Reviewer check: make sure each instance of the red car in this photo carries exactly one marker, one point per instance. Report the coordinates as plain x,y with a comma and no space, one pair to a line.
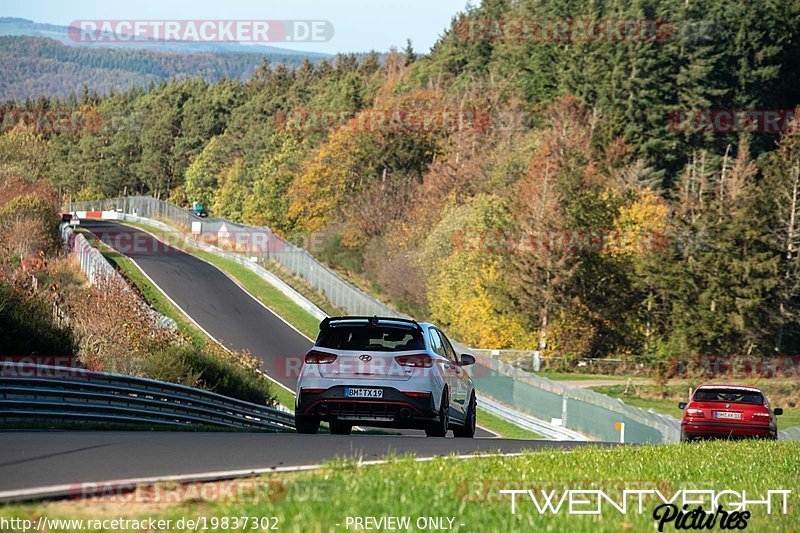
728,411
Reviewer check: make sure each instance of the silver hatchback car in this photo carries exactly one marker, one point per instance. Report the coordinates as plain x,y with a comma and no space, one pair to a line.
385,372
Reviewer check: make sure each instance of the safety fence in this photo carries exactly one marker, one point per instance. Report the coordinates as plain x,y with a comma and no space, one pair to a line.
40,392
580,410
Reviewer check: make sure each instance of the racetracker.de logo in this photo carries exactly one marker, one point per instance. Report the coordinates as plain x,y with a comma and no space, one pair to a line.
241,31
408,121
563,30
733,120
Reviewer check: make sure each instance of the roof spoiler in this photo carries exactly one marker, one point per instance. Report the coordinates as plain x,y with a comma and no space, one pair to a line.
371,320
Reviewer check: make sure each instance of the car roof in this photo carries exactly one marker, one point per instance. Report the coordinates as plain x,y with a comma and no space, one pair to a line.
728,386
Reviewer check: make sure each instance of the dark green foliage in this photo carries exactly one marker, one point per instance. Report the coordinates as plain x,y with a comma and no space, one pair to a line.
27,326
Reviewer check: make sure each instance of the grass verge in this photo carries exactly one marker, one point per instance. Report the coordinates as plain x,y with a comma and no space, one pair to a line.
507,430
467,491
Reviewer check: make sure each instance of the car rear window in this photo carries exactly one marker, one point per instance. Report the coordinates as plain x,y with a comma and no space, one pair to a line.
378,338
729,395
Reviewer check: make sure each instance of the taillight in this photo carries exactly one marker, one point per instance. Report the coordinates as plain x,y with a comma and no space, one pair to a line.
418,394
417,360
760,416
319,358
311,391
695,412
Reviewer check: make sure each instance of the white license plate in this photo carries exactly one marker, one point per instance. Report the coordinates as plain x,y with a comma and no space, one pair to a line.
363,393
727,414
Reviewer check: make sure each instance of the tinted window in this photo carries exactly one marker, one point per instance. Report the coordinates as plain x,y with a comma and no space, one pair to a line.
436,342
450,353
729,395
371,338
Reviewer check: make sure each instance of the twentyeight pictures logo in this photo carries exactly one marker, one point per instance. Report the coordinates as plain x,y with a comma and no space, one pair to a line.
241,31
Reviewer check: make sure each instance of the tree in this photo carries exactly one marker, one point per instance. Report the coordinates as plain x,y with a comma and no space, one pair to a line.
230,197
202,175
409,53
781,201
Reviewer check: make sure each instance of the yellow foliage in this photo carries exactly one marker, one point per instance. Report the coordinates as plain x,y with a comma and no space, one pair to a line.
474,315
640,227
325,179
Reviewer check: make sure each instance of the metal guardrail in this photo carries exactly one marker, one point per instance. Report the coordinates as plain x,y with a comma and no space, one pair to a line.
189,243
578,409
29,391
789,434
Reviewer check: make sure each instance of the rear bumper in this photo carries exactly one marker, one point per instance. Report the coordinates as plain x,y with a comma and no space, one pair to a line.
394,410
695,429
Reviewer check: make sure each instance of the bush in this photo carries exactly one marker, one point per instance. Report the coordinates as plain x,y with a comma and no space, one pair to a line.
28,327
227,374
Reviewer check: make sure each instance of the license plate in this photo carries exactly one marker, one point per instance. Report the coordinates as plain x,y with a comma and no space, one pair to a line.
363,393
727,414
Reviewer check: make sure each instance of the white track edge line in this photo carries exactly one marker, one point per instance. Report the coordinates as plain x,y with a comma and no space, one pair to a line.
64,489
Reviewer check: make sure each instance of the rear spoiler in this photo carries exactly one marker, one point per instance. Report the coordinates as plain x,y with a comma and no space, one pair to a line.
371,320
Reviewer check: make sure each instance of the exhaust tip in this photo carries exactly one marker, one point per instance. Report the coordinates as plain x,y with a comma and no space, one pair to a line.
322,410
405,412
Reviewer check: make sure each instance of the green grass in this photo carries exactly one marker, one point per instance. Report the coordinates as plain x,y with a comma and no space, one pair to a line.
468,490
266,293
577,376
505,429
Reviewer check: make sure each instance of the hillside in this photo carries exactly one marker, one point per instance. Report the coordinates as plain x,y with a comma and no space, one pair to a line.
40,66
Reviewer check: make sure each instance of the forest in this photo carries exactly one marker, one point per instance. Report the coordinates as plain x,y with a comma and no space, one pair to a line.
523,190
38,66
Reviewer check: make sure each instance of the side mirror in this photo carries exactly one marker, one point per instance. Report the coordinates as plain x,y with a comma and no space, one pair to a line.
467,359
681,405
777,411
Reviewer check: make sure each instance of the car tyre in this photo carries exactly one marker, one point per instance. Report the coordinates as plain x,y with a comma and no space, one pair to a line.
340,428
308,425
439,428
684,437
468,429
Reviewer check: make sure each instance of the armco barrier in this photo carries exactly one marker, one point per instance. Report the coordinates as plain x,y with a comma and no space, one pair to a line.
577,409
38,392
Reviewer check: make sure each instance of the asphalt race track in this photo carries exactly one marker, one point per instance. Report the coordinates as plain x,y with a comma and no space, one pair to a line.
45,458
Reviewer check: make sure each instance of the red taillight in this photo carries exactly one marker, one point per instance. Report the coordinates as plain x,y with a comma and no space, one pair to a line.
311,391
697,413
319,358
417,360
418,394
760,416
